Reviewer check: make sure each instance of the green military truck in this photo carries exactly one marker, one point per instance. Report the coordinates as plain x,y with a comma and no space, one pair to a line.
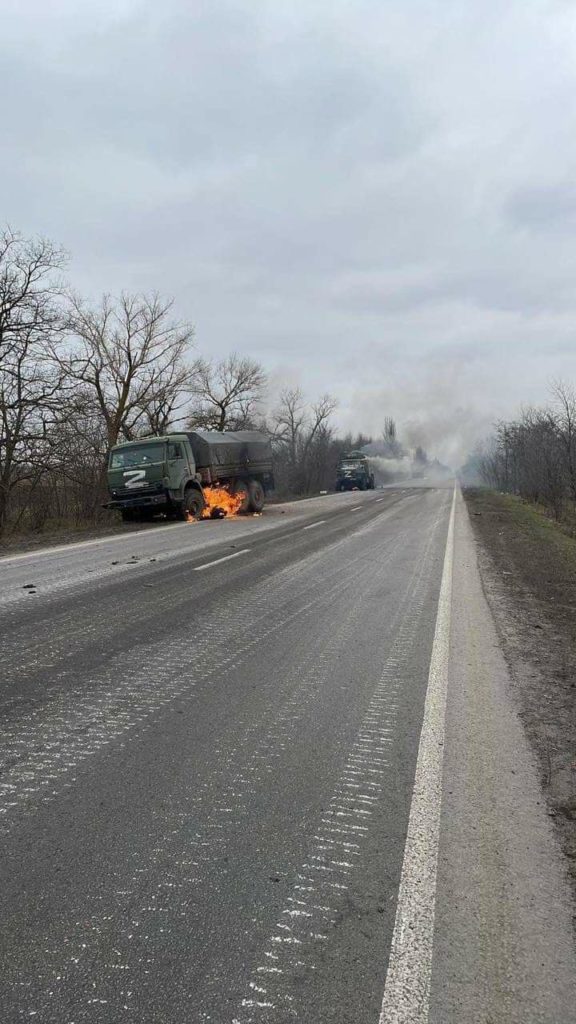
170,474
354,472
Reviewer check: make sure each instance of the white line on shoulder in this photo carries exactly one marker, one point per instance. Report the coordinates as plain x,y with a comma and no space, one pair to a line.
126,535
407,988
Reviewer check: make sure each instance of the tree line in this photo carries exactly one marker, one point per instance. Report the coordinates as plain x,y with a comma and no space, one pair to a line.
78,377
534,455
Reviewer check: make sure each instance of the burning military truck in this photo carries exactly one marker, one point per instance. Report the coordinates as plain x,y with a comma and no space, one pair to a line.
190,475
354,472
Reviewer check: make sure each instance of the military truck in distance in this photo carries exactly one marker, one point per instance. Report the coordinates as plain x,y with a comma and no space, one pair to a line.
170,473
354,472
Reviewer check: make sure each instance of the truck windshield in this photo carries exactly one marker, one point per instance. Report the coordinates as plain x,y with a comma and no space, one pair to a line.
137,455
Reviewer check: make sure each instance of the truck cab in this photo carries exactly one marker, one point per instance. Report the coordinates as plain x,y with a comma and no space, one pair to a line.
150,475
354,473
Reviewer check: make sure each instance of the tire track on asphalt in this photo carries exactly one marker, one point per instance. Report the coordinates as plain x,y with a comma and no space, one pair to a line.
321,886
247,767
47,744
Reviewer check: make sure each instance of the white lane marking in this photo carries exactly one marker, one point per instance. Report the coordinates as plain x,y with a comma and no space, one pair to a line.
356,508
407,987
218,561
313,525
379,500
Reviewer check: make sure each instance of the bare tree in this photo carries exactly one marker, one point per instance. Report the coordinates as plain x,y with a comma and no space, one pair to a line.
317,441
321,412
302,437
391,446
527,457
389,432
79,437
134,359
288,423
31,322
565,398
227,393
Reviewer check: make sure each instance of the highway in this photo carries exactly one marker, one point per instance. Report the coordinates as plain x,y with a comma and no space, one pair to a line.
268,769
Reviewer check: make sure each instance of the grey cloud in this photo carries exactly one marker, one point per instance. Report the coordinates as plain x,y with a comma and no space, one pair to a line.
544,207
371,198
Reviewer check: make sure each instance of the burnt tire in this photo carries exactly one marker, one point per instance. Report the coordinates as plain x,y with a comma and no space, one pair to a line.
128,515
257,496
242,489
192,505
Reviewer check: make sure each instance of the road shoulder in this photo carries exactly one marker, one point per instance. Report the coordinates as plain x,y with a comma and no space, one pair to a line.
503,946
528,570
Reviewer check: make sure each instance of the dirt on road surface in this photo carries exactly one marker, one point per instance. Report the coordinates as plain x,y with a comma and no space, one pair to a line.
528,567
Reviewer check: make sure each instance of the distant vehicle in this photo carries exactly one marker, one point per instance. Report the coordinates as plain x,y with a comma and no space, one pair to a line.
354,472
173,473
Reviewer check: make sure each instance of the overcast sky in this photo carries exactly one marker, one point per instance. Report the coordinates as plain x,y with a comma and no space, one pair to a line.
375,198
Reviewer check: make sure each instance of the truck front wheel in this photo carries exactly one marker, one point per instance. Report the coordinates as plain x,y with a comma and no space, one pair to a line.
193,504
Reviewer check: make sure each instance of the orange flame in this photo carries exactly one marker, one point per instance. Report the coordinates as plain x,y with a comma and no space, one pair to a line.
220,502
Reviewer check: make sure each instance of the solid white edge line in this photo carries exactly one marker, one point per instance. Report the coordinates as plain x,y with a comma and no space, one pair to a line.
217,561
94,542
407,987
313,525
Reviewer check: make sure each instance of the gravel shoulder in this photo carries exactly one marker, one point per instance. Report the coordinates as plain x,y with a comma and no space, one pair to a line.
528,569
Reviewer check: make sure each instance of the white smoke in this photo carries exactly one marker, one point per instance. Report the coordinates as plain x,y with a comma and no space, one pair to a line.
385,470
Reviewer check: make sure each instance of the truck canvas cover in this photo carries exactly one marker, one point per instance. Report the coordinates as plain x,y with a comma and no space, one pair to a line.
245,450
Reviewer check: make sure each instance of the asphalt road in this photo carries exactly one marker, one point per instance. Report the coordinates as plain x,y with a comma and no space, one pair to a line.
212,802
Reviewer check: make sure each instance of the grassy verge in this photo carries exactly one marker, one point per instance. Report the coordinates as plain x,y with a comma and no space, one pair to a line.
530,521
528,564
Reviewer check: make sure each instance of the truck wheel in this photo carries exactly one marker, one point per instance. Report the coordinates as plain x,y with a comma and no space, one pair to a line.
127,515
257,497
242,489
193,503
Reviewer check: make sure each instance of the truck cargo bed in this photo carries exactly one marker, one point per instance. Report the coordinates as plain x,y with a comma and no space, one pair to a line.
244,451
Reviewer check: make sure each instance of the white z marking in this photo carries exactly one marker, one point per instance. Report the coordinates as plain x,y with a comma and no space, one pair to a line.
138,476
